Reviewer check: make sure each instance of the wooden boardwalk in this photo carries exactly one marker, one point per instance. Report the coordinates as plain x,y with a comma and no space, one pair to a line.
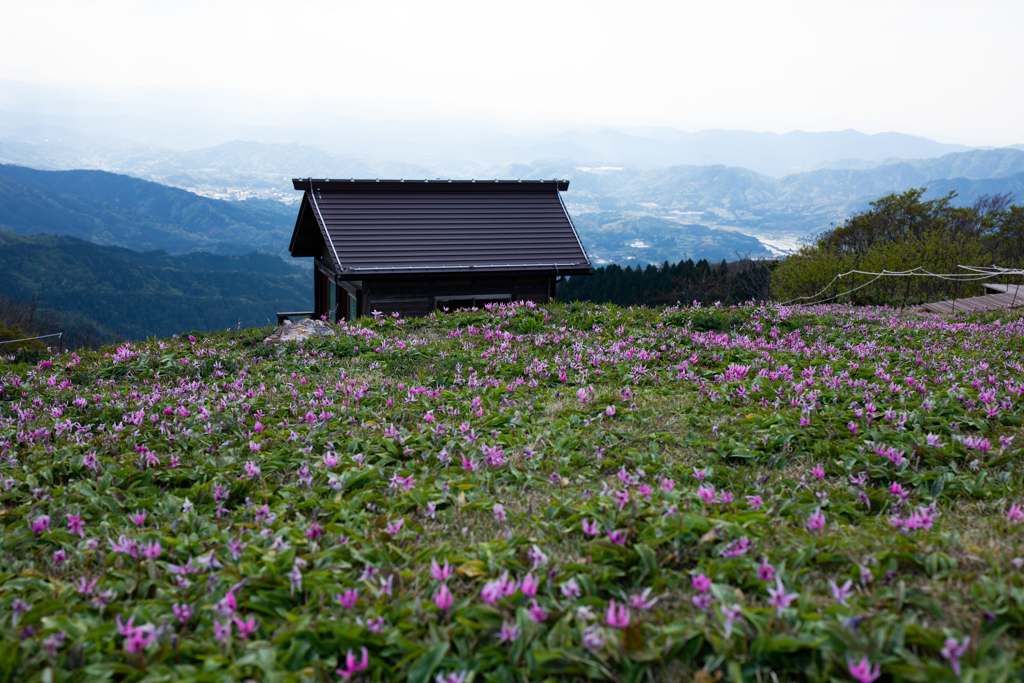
1007,296
999,288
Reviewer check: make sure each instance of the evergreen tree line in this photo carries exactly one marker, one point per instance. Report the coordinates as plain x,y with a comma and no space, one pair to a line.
684,282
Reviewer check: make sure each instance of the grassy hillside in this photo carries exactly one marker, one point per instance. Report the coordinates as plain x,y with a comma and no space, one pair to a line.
135,294
111,209
524,494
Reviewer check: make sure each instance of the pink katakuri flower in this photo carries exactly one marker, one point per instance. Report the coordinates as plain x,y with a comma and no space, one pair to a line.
732,614
453,677
780,599
76,525
953,651
862,671
499,513
440,573
841,593
706,493
617,616
1015,512
139,639
509,633
41,524
352,667
491,592
348,599
246,627
85,586
816,522
537,613
642,601
443,598
618,536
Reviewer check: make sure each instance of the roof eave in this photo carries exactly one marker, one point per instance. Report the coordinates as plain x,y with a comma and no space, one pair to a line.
390,272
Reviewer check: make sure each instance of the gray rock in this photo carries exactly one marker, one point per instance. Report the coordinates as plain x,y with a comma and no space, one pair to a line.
301,331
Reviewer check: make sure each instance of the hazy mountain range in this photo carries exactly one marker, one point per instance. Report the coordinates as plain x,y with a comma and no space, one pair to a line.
157,259
267,166
638,194
145,185
624,214
786,207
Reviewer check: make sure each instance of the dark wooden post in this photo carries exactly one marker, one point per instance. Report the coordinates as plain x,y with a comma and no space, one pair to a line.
317,292
340,302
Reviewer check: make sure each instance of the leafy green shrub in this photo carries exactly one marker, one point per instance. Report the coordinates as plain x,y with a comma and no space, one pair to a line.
527,323
713,321
899,233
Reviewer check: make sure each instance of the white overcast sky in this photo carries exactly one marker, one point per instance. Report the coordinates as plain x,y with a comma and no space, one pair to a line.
948,70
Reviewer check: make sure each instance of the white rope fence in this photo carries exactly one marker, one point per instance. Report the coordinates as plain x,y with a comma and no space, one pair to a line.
974,274
42,336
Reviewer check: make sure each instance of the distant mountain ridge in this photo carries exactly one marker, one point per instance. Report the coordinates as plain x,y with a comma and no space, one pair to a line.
232,170
974,164
344,147
699,186
797,203
768,153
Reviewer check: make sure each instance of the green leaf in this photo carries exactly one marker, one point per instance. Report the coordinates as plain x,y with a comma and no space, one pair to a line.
424,667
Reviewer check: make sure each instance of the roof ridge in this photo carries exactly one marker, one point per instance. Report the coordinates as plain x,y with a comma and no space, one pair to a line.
561,184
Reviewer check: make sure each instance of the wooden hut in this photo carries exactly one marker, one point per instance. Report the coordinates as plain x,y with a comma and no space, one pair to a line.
415,246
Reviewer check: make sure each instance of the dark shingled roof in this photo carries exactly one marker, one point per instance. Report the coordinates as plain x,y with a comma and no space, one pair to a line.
389,227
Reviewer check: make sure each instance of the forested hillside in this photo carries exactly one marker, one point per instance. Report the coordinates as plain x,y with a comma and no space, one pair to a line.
111,209
624,237
135,294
